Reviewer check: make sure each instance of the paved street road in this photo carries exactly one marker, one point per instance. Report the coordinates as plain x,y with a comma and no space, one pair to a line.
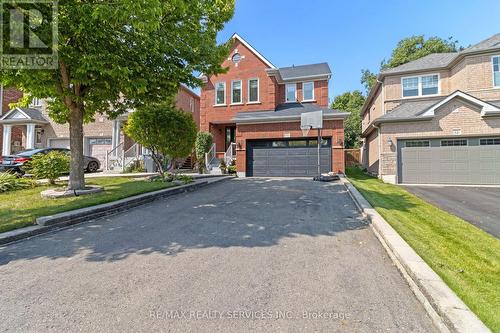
242,255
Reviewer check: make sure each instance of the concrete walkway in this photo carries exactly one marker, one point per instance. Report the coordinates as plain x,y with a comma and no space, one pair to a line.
243,255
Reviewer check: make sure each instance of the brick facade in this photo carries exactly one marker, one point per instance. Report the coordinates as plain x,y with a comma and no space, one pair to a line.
216,118
471,74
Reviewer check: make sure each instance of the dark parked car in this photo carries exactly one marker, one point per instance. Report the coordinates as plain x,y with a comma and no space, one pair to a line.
15,162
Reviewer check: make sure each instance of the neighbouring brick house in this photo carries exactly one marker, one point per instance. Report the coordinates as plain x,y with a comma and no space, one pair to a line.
437,119
25,128
254,110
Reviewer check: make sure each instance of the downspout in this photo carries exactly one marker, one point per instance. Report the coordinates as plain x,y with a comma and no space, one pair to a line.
1,99
379,143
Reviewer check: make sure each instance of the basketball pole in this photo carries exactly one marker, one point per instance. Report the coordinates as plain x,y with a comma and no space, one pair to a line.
319,147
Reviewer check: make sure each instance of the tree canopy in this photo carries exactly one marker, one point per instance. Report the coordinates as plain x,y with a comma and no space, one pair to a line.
409,49
351,102
118,55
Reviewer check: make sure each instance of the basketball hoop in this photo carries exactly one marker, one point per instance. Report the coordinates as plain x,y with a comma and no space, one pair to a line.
305,129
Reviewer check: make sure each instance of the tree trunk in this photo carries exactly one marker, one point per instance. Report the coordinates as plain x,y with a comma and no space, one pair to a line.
76,175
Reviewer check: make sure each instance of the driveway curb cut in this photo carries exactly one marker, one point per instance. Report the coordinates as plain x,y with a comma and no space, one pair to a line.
69,218
447,311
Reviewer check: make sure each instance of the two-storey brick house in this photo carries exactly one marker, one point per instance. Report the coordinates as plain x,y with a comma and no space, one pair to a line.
27,128
437,119
255,109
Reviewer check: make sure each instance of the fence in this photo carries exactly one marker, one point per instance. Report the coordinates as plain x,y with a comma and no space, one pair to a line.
352,157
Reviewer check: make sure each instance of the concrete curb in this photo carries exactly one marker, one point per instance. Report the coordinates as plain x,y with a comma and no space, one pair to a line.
65,219
447,311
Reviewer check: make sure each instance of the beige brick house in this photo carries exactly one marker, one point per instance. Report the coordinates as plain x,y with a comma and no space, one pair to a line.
27,128
437,119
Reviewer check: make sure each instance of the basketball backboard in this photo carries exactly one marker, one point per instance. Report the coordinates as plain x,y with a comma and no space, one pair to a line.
311,119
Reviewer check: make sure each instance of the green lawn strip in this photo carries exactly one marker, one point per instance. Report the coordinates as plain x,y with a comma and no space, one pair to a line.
465,257
20,208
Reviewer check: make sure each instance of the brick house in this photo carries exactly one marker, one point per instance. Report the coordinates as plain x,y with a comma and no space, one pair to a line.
254,109
26,128
437,119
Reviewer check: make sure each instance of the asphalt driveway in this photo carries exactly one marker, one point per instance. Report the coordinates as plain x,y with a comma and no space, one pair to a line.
243,255
479,206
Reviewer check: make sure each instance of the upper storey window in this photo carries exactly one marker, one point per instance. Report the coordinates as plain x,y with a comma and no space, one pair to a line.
291,92
496,71
236,92
253,90
220,93
425,85
36,102
308,91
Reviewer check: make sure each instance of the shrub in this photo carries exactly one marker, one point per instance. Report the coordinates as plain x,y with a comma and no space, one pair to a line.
223,166
231,169
49,166
184,178
134,167
202,145
10,182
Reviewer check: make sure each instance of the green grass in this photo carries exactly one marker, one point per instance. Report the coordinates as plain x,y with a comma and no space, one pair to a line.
20,208
465,257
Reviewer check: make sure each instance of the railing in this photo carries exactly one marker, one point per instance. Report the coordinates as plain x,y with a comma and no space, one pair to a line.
230,154
210,156
130,155
114,157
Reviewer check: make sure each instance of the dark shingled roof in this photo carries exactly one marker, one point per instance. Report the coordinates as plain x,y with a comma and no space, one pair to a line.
34,114
490,43
288,73
435,60
287,111
408,111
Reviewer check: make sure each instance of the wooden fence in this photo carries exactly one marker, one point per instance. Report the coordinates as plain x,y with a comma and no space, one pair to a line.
352,157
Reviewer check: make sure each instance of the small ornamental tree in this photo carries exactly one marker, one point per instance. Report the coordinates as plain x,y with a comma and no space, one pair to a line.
203,144
113,56
166,131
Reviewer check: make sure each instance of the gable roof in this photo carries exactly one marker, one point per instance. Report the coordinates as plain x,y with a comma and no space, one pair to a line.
254,51
490,43
27,115
425,110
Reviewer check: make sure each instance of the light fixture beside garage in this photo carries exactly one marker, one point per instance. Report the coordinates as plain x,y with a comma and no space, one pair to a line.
389,142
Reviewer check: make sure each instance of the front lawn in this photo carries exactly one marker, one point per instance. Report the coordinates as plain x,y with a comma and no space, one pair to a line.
465,257
20,208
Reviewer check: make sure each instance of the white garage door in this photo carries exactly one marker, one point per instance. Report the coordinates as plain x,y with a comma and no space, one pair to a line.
99,147
59,143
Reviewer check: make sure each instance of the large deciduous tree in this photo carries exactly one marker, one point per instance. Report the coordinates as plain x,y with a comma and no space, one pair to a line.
117,55
409,49
351,102
165,130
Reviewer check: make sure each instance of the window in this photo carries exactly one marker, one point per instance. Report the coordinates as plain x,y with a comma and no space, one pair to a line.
451,143
236,58
36,102
191,104
253,90
420,85
496,71
308,91
236,92
38,136
489,142
291,92
100,141
220,93
417,144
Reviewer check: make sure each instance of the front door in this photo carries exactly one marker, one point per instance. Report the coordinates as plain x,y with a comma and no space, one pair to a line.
230,136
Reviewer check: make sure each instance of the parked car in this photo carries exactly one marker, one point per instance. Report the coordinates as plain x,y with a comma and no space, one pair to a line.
14,163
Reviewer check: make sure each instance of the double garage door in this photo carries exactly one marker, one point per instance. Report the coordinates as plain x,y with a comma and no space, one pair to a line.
287,158
459,161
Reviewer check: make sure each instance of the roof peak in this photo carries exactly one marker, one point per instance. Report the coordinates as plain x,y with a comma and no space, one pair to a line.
253,50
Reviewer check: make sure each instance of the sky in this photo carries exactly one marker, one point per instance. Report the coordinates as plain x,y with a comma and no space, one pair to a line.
352,35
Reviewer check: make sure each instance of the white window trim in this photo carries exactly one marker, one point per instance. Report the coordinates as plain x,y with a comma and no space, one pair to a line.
241,92
420,85
215,102
286,92
308,100
258,91
35,105
493,71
